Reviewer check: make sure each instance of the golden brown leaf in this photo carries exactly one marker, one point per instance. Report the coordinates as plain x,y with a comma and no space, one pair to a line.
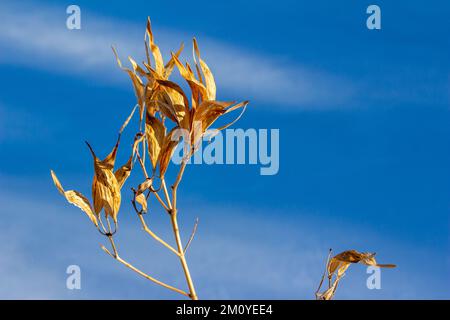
75,198
155,133
166,152
138,85
144,186
175,87
142,200
159,63
209,78
124,172
171,64
198,90
105,188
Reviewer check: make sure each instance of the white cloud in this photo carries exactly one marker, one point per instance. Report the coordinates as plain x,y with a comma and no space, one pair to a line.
36,36
237,253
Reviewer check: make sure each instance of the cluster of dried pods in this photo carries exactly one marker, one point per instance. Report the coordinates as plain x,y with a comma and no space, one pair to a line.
166,116
337,265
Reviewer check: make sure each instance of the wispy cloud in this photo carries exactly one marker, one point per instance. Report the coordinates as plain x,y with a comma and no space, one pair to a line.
37,37
236,254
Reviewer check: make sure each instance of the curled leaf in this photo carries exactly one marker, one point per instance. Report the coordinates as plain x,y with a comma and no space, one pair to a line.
142,200
338,265
138,85
209,78
105,187
155,133
159,64
124,172
167,151
76,198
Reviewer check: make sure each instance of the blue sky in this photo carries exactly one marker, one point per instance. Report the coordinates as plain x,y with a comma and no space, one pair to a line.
364,147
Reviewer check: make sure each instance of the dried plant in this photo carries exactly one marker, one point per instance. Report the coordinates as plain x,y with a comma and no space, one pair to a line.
337,265
164,111
166,115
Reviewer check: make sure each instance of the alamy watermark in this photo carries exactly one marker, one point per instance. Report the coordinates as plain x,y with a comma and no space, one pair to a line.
231,146
374,280
73,21
73,281
374,20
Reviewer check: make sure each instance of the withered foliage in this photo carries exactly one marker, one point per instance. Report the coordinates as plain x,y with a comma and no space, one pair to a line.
337,265
165,110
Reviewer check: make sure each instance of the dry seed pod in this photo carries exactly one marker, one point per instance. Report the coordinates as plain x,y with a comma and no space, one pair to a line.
337,265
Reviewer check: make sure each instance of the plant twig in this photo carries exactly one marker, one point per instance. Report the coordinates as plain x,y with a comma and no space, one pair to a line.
176,231
324,273
166,193
130,266
161,201
194,230
152,234
177,182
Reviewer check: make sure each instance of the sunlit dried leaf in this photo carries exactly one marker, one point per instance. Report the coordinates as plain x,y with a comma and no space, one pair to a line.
124,172
171,64
338,265
198,90
137,68
176,88
209,78
127,121
142,200
144,186
155,133
159,63
75,198
105,188
138,85
167,151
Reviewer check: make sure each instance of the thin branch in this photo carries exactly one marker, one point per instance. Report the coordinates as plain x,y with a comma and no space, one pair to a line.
130,266
113,246
104,232
161,201
142,164
166,193
191,237
151,233
147,177
177,182
324,272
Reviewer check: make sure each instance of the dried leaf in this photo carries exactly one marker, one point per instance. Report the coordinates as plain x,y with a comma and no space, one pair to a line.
105,187
138,85
124,172
127,121
106,192
144,186
198,90
155,133
75,198
176,88
166,152
159,63
171,64
209,78
136,67
338,265
142,200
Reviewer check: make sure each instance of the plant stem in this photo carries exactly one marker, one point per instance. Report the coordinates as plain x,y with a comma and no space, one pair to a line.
173,217
176,231
115,256
151,233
